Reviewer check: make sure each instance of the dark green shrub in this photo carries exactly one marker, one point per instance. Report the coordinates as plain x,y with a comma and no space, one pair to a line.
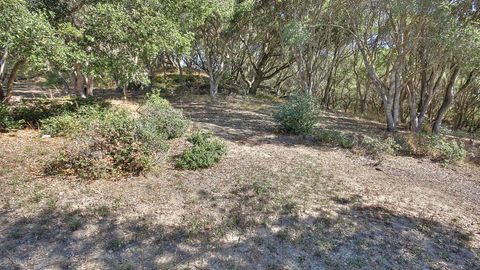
329,136
299,115
206,151
33,113
335,137
6,120
168,120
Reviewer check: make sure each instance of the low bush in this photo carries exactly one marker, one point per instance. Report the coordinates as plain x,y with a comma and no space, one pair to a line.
110,146
32,113
6,120
344,140
206,151
168,120
377,147
435,147
299,115
72,123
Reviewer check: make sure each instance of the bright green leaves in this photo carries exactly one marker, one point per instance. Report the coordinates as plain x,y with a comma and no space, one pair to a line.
27,35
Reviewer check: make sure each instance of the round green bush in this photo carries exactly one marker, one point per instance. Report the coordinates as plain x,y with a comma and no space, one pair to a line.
168,120
299,115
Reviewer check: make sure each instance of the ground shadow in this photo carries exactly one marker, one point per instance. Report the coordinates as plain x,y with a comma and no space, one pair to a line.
357,237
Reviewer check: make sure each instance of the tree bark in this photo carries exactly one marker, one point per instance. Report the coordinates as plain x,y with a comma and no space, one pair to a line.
214,82
447,101
66,87
11,80
89,81
79,82
3,64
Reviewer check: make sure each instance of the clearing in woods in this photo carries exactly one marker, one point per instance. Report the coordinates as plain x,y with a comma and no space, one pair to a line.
275,202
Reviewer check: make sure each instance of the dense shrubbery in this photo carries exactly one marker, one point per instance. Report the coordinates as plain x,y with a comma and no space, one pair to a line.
6,120
160,112
111,145
378,147
72,123
112,142
298,116
33,113
435,147
206,151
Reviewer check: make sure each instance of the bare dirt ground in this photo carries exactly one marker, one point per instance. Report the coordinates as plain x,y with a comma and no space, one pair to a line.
275,202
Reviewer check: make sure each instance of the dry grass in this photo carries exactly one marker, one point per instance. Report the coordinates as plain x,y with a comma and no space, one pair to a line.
275,202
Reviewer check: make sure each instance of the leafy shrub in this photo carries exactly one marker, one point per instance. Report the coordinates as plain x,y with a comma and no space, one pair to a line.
33,113
72,123
206,151
111,145
328,136
347,141
378,148
6,120
298,115
449,151
168,120
433,146
61,125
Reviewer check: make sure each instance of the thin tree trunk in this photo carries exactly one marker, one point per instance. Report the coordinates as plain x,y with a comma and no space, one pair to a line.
447,101
79,82
11,80
124,92
214,82
66,87
90,85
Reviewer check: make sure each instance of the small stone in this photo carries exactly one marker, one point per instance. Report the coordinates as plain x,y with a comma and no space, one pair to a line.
46,136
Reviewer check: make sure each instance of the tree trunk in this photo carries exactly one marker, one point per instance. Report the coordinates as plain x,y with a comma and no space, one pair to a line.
66,87
179,64
214,82
90,85
11,80
253,89
124,92
3,64
79,82
447,101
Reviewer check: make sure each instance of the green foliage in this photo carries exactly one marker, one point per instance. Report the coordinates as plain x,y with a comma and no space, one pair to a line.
159,112
6,120
299,115
328,136
34,113
112,144
436,147
72,123
335,137
378,147
206,151
27,34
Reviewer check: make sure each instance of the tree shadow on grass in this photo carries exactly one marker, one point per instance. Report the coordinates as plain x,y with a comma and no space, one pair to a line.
356,237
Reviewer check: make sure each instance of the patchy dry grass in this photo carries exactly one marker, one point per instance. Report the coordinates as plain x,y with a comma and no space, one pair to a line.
274,202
